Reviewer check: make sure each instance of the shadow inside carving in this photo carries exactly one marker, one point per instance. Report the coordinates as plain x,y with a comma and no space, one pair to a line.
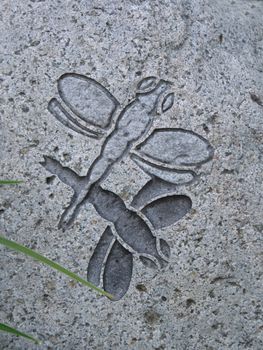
151,190
118,271
167,210
95,266
129,226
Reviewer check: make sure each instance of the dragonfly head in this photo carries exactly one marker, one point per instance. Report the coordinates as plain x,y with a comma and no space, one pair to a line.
150,92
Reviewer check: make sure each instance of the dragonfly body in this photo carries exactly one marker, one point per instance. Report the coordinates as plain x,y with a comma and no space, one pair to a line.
126,222
133,122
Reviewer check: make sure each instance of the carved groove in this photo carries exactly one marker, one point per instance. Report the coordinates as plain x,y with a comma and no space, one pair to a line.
152,189
88,99
146,85
172,176
66,119
165,248
168,102
176,147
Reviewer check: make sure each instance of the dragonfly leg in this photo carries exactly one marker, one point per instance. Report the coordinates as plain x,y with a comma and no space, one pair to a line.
69,214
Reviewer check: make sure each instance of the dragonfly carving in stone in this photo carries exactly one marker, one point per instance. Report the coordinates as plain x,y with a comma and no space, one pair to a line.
166,155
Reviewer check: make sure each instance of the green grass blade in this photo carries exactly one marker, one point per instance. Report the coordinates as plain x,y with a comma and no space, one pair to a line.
27,251
10,182
8,329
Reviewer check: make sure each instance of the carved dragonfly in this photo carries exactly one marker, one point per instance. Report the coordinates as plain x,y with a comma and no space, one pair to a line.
166,155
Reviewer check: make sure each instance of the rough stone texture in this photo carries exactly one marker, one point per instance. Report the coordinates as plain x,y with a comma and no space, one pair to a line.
210,295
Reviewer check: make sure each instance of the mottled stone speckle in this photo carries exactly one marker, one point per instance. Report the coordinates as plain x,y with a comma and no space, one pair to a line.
210,296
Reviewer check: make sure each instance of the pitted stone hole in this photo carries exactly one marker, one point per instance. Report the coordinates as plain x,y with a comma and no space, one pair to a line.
152,317
50,179
256,99
141,287
190,302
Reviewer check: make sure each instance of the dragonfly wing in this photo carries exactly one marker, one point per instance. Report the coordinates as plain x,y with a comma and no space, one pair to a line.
154,188
66,119
175,147
96,266
118,271
87,99
167,210
173,176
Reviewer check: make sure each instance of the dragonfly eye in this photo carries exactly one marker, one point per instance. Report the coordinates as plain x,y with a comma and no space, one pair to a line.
168,102
147,84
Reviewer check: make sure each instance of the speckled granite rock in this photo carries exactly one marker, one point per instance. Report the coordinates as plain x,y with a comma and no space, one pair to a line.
209,294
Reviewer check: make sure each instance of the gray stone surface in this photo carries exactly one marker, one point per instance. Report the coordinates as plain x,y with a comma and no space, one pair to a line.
209,295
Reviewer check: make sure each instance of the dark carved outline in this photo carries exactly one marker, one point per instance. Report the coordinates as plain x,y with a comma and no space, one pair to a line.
99,86
159,130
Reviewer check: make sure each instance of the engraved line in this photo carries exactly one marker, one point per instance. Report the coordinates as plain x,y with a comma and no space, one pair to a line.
161,130
96,263
66,119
